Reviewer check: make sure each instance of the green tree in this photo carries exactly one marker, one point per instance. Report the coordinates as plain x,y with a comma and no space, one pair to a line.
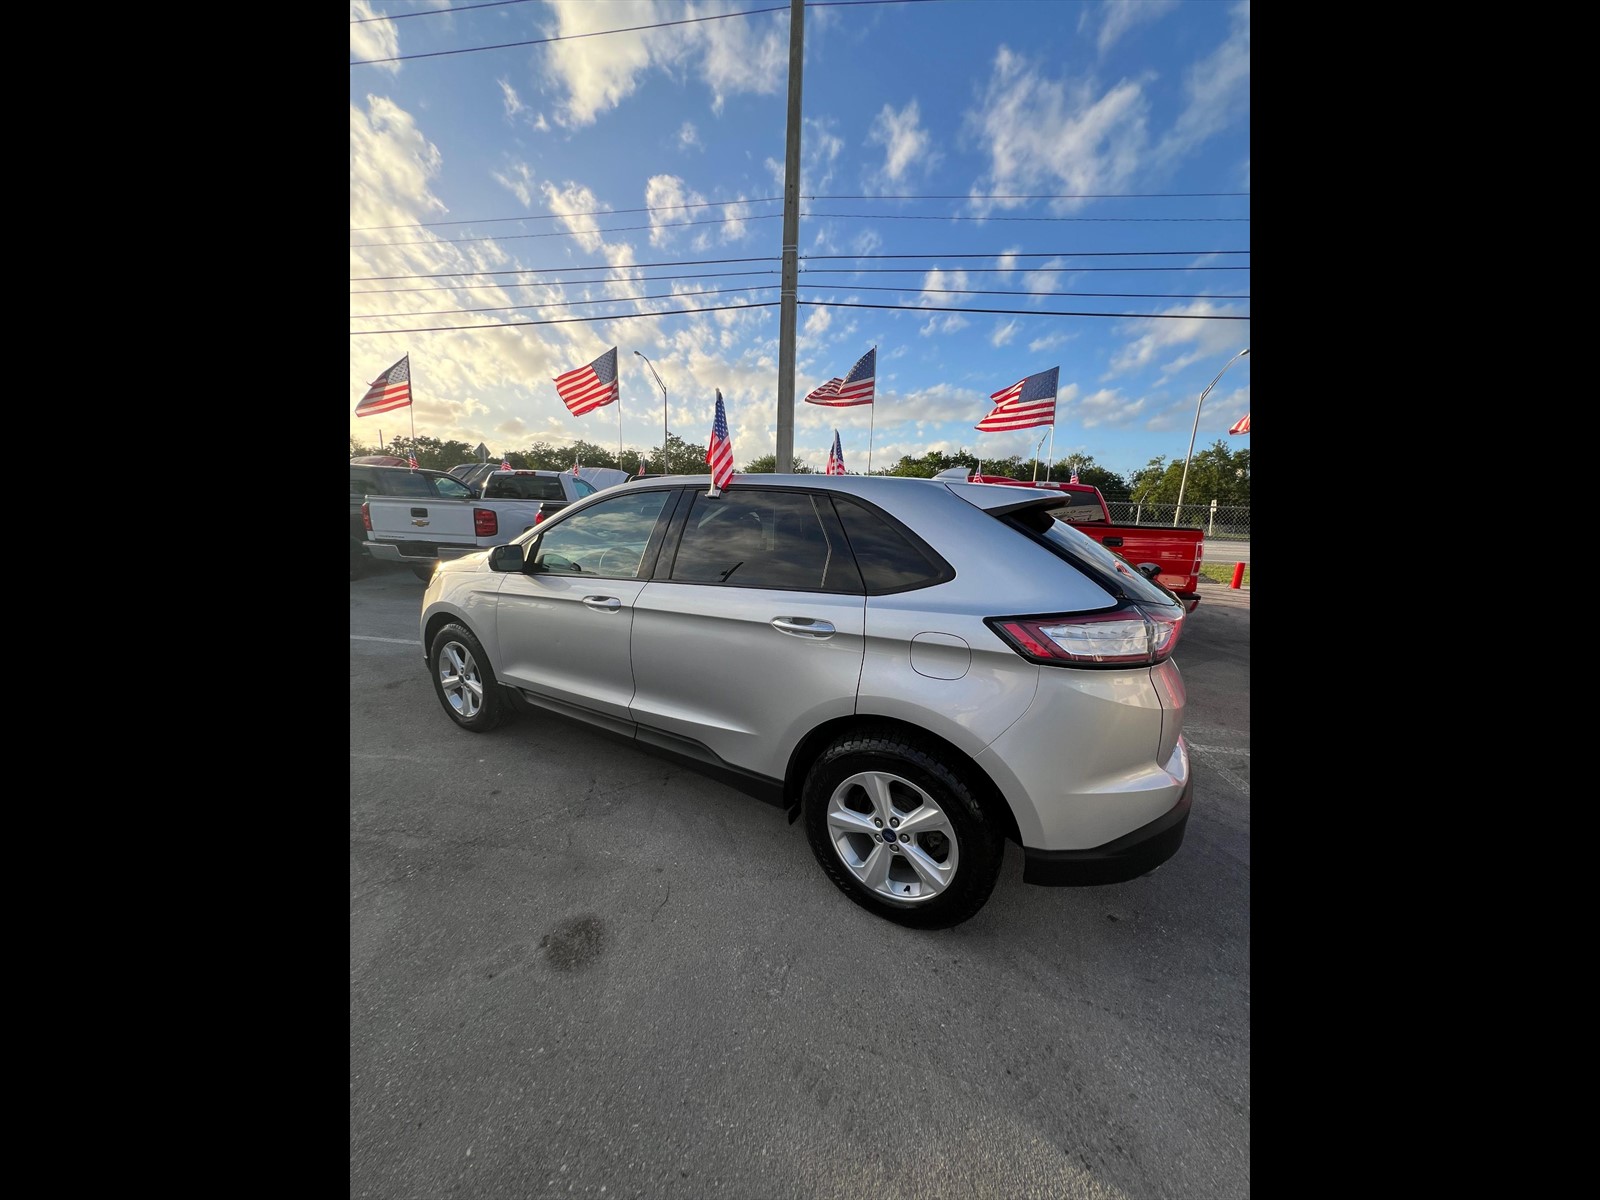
767,464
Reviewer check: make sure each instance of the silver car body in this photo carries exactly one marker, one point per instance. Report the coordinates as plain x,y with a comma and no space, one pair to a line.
743,676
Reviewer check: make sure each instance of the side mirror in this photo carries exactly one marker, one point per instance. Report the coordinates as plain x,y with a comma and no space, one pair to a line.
1149,570
505,558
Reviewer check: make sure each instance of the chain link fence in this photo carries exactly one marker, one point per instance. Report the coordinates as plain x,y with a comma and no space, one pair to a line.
1220,521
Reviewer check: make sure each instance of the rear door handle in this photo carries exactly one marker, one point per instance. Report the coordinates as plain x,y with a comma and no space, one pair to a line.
603,603
803,627
1113,541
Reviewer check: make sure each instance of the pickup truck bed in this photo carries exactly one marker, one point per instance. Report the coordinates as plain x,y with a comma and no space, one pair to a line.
419,531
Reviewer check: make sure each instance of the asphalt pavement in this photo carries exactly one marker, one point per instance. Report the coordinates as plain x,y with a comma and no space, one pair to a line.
577,968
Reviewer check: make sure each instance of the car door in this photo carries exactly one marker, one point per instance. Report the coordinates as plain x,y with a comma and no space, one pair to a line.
564,625
750,632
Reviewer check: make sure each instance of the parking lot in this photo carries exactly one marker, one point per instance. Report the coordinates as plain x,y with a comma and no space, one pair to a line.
581,969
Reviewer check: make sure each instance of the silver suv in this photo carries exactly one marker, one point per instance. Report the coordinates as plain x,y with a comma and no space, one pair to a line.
923,669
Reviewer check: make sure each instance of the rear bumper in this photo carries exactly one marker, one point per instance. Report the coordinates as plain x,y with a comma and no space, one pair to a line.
1128,857
415,552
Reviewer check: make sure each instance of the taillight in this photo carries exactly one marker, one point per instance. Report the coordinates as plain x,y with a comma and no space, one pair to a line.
366,517
484,522
1132,636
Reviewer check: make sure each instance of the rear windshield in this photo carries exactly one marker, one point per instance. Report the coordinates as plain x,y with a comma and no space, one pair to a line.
1076,507
523,487
1070,544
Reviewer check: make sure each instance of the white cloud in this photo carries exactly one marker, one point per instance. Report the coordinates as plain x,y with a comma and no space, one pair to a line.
904,140
597,73
1218,90
1043,133
665,195
689,136
1048,342
1117,17
1004,334
949,324
373,39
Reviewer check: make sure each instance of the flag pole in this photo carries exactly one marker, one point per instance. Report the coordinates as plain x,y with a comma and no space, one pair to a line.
412,407
1052,459
872,418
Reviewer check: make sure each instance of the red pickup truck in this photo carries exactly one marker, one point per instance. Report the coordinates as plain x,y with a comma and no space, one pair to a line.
1177,551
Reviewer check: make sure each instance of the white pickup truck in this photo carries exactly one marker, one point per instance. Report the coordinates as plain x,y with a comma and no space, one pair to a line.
419,531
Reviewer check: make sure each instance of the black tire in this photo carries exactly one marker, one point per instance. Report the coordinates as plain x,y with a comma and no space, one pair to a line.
955,836
423,573
464,681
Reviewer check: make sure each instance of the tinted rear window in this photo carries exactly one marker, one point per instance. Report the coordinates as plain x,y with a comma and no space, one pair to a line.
523,487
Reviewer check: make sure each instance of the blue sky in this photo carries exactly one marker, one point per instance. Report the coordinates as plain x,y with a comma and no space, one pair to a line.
482,174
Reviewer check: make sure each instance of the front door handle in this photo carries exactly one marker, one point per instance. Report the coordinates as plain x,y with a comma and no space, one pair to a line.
1113,541
803,627
603,603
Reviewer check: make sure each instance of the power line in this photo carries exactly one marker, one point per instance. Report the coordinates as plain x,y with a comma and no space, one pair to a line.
606,212
996,270
570,37
446,312
965,217
567,37
437,12
1030,254
1025,312
598,212
705,262
441,312
675,312
513,237
697,262
475,287
860,287
1062,196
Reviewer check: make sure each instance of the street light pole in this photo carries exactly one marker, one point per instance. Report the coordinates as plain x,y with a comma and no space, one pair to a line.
663,388
1178,513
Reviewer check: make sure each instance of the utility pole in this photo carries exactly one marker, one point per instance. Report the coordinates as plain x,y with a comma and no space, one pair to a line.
787,295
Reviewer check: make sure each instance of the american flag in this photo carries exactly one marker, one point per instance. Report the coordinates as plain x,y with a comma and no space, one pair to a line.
575,464
389,391
584,389
836,457
1029,401
720,452
1074,478
854,388
411,458
1242,425
505,464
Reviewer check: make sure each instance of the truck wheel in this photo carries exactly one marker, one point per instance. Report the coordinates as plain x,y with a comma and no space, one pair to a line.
899,830
423,573
464,681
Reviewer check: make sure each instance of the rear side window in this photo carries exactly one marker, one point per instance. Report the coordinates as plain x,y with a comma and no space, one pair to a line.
362,483
891,557
765,538
407,483
452,489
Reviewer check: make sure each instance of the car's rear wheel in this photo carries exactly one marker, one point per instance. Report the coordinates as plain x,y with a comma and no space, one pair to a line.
464,681
423,573
898,828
